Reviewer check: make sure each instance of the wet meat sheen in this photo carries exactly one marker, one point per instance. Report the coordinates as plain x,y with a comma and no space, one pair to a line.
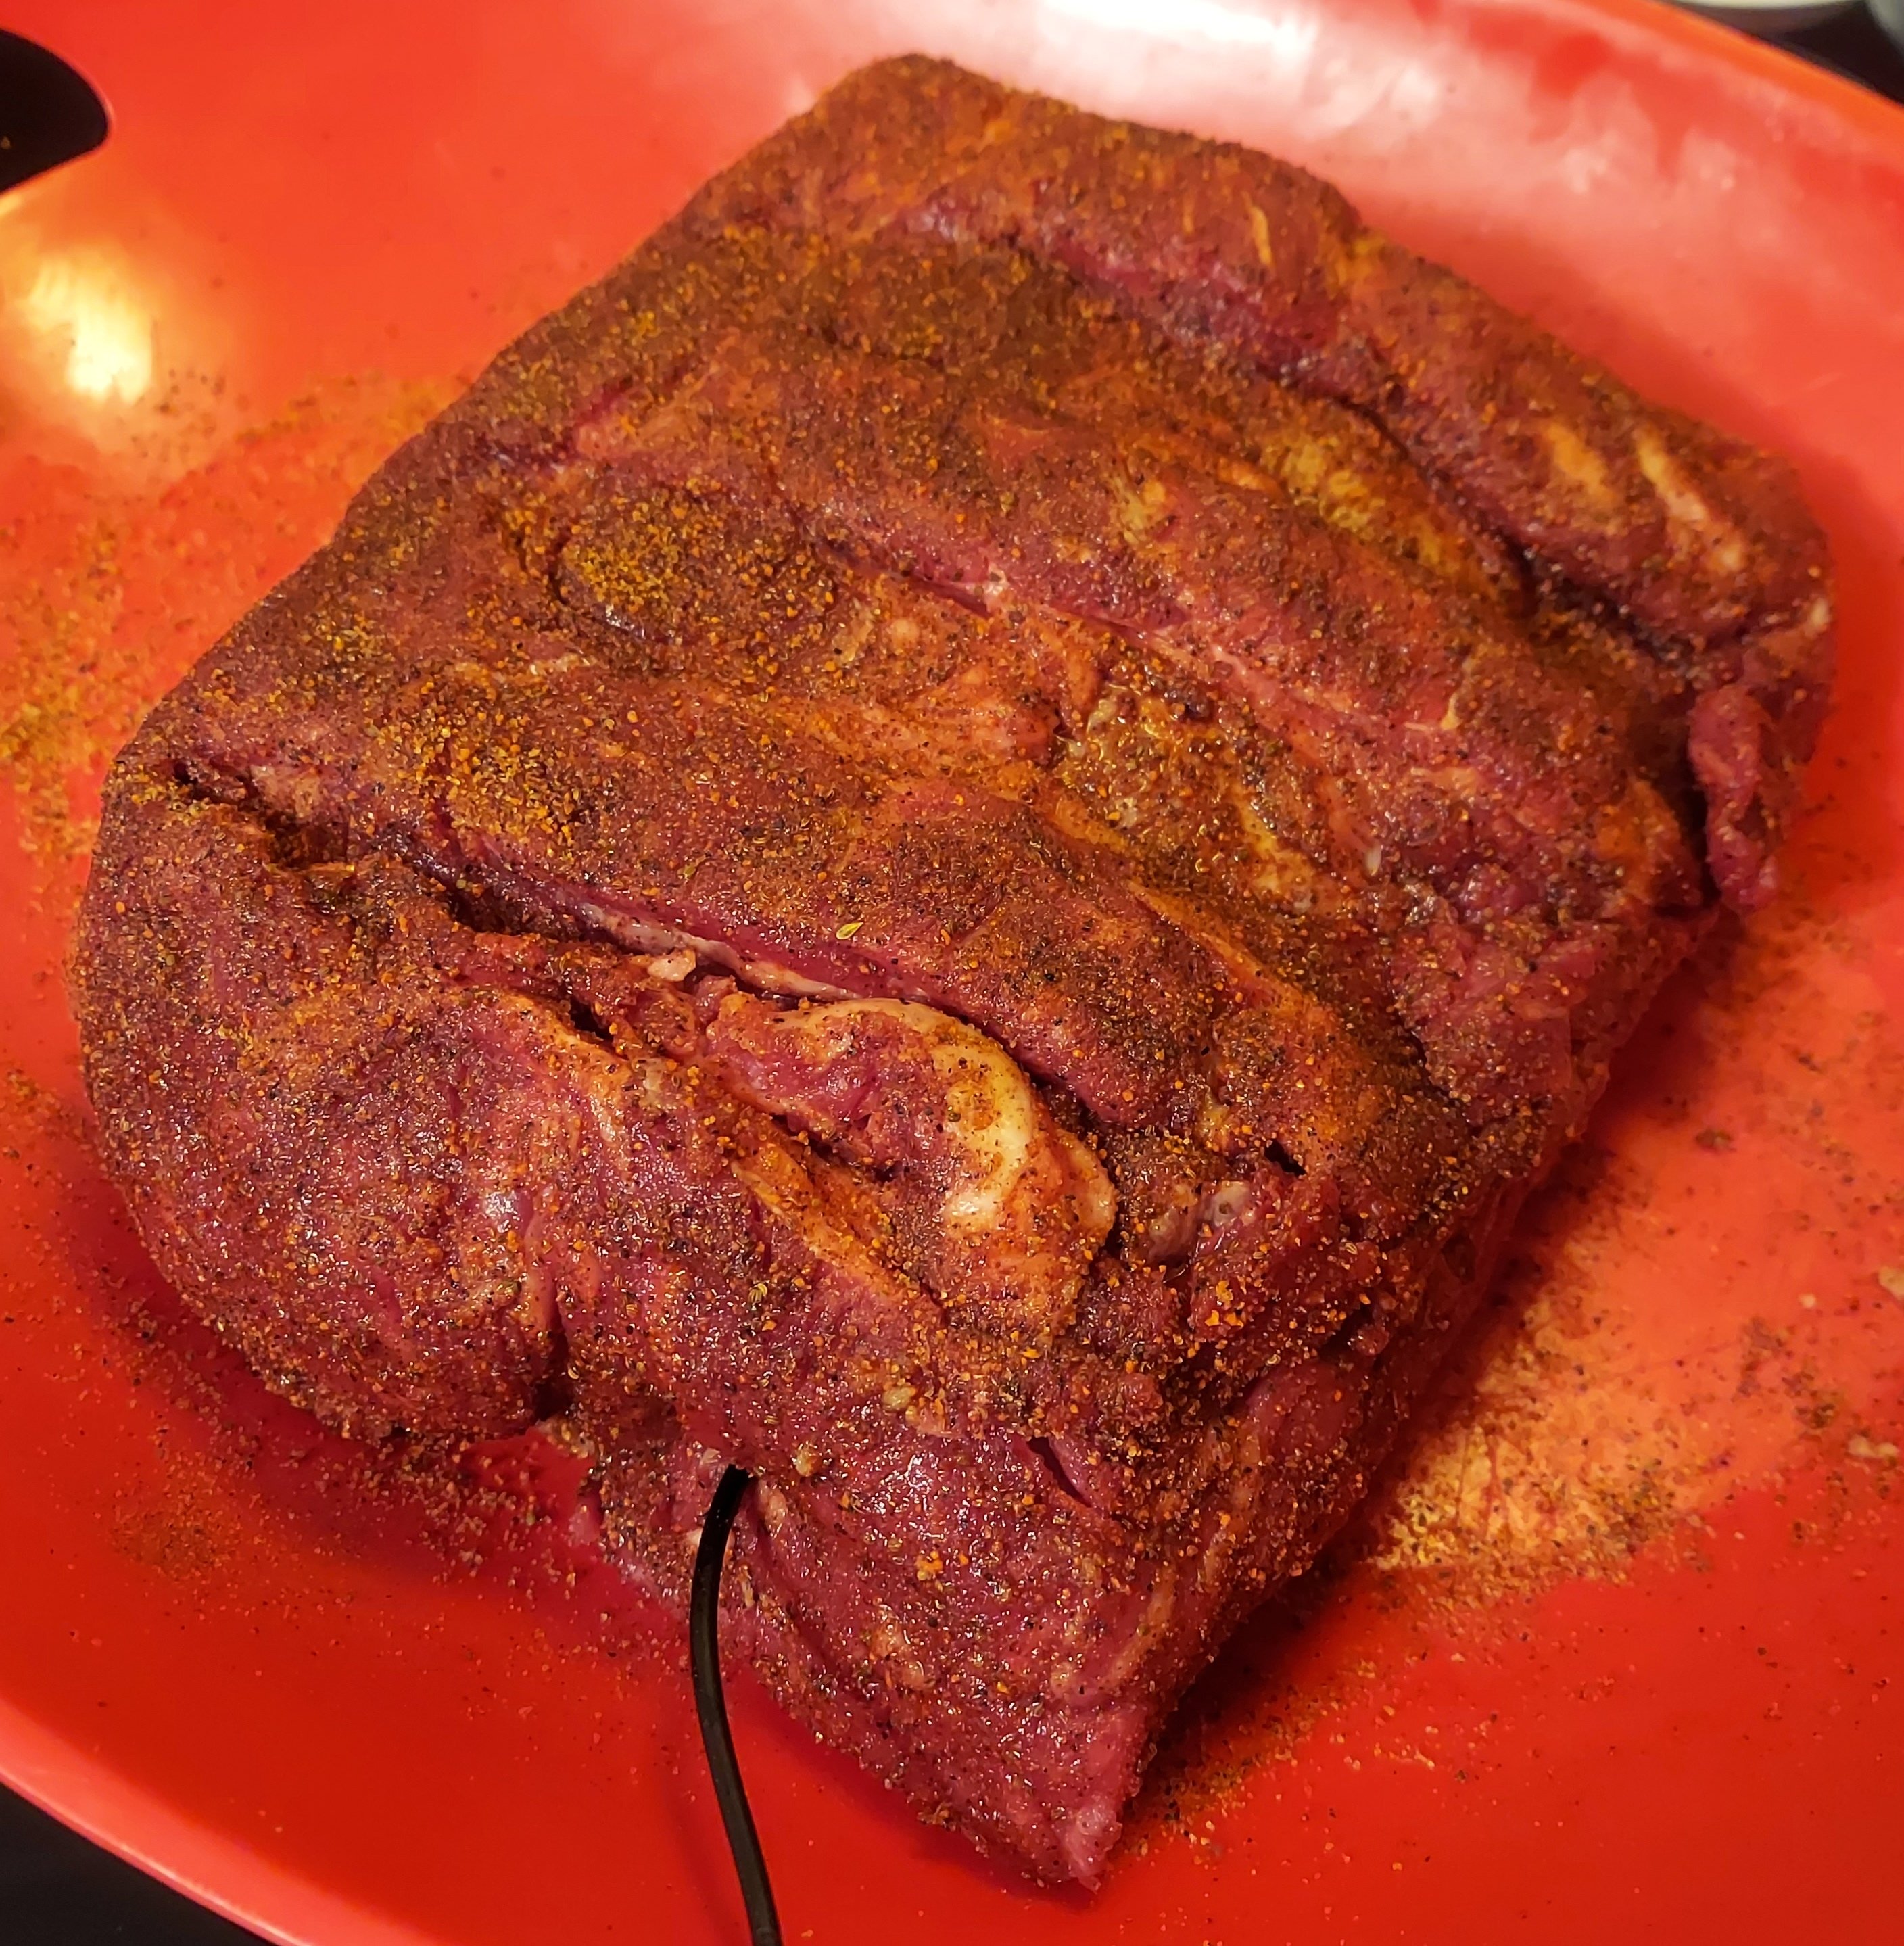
962,838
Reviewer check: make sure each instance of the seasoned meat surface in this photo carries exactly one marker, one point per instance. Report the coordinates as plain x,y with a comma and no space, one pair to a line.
963,839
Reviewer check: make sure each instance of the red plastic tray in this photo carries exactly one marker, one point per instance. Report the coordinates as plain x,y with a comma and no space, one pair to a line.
1616,1653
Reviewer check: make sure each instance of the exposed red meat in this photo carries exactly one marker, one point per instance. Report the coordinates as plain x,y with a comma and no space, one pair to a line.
963,839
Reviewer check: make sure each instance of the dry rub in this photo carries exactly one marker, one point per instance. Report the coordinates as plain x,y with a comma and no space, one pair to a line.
962,838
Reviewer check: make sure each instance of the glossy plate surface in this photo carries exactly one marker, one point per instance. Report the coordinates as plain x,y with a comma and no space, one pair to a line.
1617,1652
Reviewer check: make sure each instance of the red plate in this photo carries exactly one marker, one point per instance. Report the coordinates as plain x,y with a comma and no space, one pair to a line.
1616,1654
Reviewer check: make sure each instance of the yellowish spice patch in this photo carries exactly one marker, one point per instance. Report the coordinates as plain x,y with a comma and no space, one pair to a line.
109,593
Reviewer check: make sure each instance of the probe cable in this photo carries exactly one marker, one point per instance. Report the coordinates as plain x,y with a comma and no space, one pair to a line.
704,1648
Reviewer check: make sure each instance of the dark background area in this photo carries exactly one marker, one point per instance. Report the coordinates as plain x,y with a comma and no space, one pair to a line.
56,1889
1853,45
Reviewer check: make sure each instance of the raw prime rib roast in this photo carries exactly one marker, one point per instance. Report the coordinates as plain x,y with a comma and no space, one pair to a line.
962,839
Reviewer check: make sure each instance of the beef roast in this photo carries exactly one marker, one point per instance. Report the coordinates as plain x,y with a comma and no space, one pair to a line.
962,838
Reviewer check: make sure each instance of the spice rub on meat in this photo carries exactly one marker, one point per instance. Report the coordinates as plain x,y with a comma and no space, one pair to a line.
962,838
